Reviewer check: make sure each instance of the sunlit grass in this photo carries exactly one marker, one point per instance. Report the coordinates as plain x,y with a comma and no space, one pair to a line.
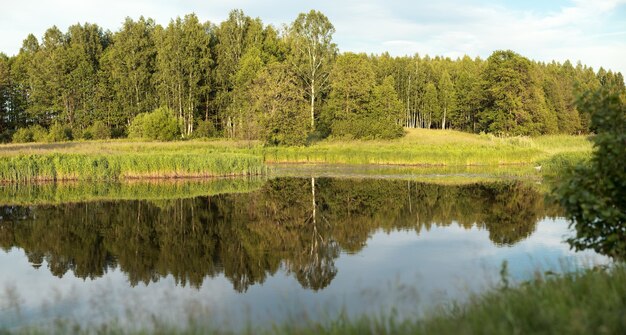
97,166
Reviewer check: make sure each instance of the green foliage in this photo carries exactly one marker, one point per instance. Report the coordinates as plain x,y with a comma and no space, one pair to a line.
59,133
312,54
594,194
359,109
158,125
275,96
206,71
22,135
183,62
514,103
34,133
204,129
97,131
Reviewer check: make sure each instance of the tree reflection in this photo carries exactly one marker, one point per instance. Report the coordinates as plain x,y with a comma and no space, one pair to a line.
295,225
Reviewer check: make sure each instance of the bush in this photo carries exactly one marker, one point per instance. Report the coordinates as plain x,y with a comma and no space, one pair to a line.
97,131
35,133
204,128
158,125
59,133
23,135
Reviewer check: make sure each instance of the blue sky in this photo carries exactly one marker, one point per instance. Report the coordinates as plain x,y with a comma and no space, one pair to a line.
592,31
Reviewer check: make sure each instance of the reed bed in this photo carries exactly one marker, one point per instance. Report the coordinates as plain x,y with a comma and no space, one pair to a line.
67,166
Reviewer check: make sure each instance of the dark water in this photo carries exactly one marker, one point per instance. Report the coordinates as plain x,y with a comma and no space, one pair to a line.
290,248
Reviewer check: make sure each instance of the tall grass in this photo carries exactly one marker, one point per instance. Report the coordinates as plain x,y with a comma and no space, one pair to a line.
62,166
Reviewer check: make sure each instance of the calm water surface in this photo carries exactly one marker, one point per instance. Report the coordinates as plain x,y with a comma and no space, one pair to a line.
264,252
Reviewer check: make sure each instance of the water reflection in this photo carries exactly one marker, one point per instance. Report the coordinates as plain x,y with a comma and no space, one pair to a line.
294,225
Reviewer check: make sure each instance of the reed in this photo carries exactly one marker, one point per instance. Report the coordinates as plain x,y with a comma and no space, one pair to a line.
67,166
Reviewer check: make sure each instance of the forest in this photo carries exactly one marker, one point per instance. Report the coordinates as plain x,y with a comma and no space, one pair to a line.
243,79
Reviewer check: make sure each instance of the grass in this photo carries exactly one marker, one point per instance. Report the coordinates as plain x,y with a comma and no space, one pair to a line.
591,301
123,159
71,166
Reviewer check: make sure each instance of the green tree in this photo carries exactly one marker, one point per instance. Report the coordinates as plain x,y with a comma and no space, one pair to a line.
183,53
469,94
234,37
430,105
514,103
129,66
385,111
243,122
312,54
594,194
447,97
277,100
350,95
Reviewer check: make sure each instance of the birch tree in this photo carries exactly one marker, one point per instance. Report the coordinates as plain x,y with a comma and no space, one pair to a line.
312,54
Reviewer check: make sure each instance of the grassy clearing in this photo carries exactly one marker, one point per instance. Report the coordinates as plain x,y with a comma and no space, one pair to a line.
121,159
584,302
73,192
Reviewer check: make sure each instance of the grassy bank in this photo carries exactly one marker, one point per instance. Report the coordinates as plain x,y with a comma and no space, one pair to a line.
583,302
123,159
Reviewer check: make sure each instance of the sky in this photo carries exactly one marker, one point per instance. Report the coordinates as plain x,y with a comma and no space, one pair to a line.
590,31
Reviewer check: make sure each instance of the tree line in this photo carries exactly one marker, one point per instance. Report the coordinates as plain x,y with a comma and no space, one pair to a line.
243,79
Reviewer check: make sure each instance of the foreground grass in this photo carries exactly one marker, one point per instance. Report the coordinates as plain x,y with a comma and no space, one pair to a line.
123,159
583,302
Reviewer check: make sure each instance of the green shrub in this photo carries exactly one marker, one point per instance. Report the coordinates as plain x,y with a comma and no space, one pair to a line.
59,133
204,128
23,135
97,131
158,125
135,129
35,133
40,133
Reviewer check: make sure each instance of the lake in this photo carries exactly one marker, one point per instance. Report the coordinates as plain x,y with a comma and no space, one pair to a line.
252,252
